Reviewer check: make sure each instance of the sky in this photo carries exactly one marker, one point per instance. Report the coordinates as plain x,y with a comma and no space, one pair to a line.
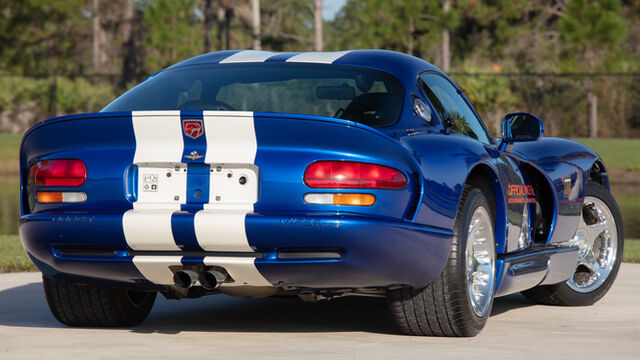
331,7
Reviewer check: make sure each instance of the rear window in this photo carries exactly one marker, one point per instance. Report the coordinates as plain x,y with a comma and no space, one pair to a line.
367,96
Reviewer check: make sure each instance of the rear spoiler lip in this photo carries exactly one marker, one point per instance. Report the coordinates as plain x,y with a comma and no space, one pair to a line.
57,119
278,115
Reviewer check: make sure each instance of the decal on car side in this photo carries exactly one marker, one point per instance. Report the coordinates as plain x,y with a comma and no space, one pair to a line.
521,194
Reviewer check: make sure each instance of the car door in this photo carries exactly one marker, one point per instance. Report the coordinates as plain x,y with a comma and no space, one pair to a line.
460,119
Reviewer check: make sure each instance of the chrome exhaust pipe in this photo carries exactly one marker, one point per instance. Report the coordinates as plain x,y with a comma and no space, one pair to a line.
185,278
212,279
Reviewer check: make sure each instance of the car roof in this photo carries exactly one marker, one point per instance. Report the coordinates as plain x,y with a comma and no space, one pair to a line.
396,63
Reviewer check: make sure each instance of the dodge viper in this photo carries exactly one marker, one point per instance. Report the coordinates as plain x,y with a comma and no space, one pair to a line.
318,175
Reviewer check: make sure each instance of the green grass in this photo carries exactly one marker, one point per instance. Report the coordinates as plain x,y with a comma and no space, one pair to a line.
630,207
621,154
9,148
631,251
13,258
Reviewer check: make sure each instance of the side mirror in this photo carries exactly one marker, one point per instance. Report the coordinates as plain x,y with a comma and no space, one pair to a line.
521,127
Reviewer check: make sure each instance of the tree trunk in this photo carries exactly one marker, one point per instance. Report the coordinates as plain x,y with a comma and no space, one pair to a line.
208,25
317,25
255,24
224,25
593,114
131,45
221,27
95,15
446,54
412,35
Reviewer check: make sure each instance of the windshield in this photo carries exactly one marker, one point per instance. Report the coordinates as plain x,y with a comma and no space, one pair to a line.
367,96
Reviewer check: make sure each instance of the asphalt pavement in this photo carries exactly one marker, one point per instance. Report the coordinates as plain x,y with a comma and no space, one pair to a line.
348,328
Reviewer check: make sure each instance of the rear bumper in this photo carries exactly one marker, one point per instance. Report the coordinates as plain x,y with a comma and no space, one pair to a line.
292,251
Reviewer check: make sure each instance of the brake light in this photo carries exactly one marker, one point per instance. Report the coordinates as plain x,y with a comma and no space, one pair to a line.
353,175
63,172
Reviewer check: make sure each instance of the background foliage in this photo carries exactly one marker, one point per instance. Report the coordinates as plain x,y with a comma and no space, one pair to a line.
542,56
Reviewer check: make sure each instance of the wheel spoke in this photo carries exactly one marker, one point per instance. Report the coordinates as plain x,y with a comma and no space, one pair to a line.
592,264
593,232
597,243
480,261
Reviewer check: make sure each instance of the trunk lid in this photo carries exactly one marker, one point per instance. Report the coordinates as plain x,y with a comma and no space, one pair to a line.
191,160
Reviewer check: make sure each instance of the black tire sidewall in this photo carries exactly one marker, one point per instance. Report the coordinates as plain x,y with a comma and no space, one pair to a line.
133,313
474,200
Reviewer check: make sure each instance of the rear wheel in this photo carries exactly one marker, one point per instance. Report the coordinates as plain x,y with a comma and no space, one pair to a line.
459,301
92,306
600,240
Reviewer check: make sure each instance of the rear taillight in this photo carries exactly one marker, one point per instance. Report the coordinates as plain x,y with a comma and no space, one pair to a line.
353,175
62,172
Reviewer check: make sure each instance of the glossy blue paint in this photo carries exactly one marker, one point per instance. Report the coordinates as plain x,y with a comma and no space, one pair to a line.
198,184
194,148
561,160
403,239
184,234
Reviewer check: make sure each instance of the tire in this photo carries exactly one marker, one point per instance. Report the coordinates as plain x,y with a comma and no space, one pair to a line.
570,292
92,306
445,306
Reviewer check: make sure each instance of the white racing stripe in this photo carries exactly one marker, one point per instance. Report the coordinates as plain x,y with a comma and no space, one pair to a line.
248,56
149,229
156,268
231,137
242,269
318,57
158,136
231,143
222,230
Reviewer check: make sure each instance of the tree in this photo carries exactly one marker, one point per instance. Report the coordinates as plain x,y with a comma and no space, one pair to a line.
255,24
172,32
208,24
287,25
43,37
318,44
413,26
132,56
593,31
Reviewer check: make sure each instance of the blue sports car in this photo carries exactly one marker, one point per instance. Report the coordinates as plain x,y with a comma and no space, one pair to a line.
318,175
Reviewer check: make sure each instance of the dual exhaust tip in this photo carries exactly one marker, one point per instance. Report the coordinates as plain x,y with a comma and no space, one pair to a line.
209,280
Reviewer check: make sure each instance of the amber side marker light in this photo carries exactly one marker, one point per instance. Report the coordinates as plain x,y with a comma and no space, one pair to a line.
340,199
48,197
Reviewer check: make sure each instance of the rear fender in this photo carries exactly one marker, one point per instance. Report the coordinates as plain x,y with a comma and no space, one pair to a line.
446,162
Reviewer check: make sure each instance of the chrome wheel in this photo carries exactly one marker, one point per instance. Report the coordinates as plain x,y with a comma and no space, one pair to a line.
480,261
597,240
